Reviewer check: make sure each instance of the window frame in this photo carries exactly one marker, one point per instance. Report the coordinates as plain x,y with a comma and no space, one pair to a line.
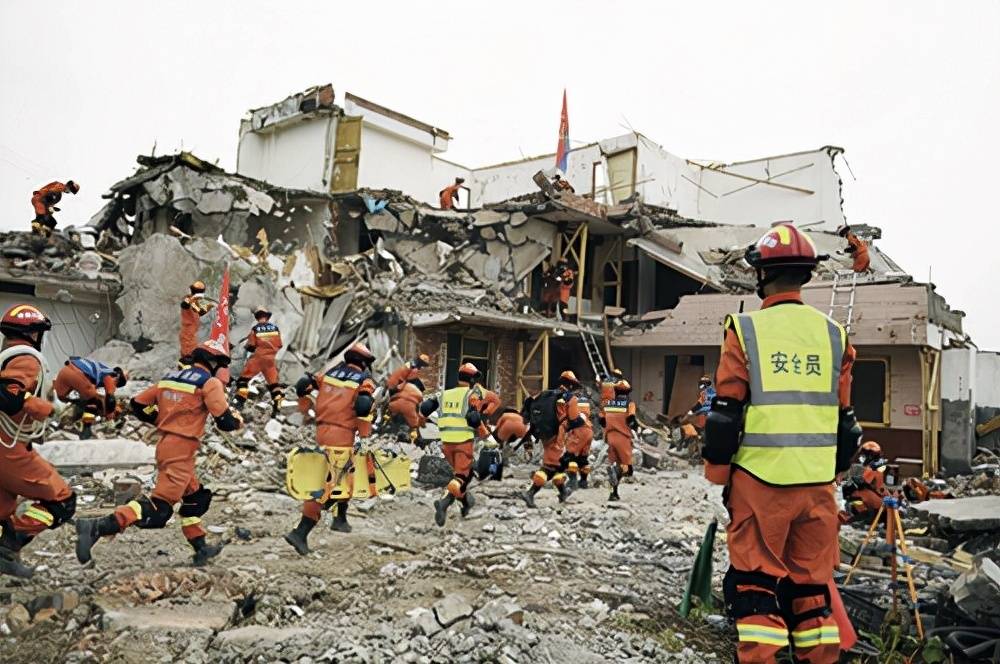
488,358
887,402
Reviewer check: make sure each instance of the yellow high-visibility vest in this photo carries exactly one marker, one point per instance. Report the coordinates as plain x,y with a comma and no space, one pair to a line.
794,354
451,422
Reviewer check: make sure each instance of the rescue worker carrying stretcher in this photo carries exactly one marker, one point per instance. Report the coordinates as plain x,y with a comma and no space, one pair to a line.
179,405
193,307
263,344
577,432
550,414
780,429
44,203
343,407
863,494
83,378
460,422
617,416
23,411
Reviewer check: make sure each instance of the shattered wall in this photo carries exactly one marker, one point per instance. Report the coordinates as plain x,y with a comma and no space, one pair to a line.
958,371
297,155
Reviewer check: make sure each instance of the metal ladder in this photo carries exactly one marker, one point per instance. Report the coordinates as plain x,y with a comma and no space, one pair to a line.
594,354
845,284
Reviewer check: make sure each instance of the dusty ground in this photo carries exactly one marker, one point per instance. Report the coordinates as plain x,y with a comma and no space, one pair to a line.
583,582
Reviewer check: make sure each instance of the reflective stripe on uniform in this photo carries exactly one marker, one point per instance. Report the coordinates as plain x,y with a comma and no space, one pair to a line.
40,514
452,425
261,335
336,382
190,521
772,636
825,635
174,385
136,508
794,355
612,409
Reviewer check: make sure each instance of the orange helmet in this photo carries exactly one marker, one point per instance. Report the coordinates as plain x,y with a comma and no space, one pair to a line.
568,378
871,449
422,360
359,355
783,246
261,312
468,372
623,387
212,354
25,321
197,287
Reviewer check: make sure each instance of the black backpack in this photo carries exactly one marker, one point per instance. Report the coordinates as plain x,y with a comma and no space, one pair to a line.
542,414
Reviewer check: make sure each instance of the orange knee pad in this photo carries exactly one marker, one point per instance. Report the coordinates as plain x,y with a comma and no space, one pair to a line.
559,479
539,478
455,488
573,467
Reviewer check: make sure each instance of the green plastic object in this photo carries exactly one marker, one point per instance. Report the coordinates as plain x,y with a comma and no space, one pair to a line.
700,581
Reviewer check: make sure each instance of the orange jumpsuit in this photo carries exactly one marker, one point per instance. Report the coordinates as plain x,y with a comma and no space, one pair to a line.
23,472
566,286
44,203
510,427
554,448
449,196
265,340
489,404
859,250
192,309
460,455
183,400
617,415
404,373
405,404
780,531
72,379
578,438
871,494
337,420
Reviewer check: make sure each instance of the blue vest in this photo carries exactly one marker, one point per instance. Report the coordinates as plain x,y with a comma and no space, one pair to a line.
344,375
264,328
181,379
95,371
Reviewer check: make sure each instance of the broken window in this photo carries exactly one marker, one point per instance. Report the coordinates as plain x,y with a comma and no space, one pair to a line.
463,348
870,391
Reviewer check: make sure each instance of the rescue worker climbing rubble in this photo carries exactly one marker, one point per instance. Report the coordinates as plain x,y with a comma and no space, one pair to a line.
550,414
44,203
856,248
617,416
449,195
79,382
193,307
179,405
578,433
779,431
23,411
263,344
460,422
863,494
344,408
407,371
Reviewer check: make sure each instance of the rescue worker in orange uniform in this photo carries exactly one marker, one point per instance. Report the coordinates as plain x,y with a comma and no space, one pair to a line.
344,407
179,405
607,384
617,416
857,248
84,377
699,411
566,278
263,343
23,411
449,195
579,434
780,429
193,307
554,447
44,203
460,422
404,404
562,184
863,495
511,427
408,371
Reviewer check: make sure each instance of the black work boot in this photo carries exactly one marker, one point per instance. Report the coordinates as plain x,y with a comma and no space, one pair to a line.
340,521
204,552
468,502
86,432
614,494
10,562
583,481
529,495
564,492
88,531
441,508
298,538
571,480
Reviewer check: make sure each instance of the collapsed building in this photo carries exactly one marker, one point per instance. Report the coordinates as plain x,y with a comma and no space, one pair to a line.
331,221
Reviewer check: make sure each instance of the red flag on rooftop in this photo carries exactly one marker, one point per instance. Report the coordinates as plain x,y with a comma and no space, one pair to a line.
562,150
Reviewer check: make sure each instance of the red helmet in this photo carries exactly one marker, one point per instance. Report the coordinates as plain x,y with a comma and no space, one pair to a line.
359,355
468,372
25,321
212,354
568,378
783,246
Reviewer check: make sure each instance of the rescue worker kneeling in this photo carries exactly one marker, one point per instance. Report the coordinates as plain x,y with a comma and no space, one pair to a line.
263,344
863,495
579,434
460,422
179,406
780,429
617,416
343,408
85,377
23,411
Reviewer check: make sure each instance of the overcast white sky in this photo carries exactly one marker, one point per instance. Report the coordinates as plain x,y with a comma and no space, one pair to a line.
910,89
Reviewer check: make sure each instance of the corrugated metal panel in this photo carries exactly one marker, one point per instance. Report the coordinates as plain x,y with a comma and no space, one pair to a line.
306,340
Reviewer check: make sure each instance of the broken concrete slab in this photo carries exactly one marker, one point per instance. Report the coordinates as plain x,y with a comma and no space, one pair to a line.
262,636
86,455
382,221
489,217
961,515
977,592
452,608
424,621
497,610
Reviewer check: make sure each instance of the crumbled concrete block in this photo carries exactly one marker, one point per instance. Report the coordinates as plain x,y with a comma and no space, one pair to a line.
979,513
450,609
96,454
494,611
977,592
433,470
424,621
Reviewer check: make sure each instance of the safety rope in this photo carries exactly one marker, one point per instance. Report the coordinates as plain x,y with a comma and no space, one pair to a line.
24,430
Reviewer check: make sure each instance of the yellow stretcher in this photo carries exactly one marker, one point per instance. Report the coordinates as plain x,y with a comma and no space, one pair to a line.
315,473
